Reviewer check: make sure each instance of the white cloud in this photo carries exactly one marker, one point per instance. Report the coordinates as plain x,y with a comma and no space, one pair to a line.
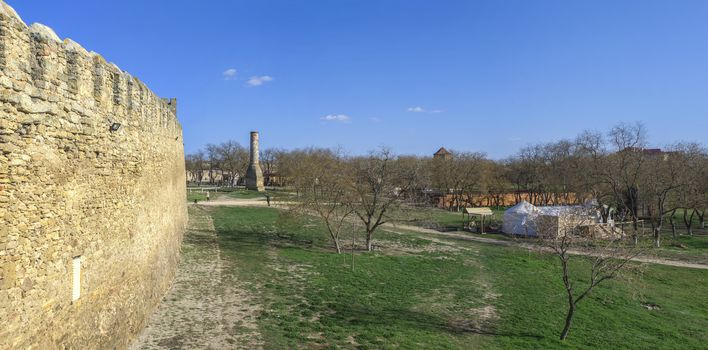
229,74
342,118
417,109
258,80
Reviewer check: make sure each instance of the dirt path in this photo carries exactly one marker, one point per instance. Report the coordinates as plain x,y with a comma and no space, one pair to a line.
206,308
529,246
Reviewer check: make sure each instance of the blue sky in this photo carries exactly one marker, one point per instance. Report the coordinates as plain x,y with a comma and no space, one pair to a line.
487,76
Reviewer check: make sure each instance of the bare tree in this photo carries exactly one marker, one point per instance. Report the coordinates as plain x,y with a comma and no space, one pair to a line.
498,186
621,171
570,236
472,171
190,166
462,176
324,190
660,183
693,195
234,160
199,165
379,184
269,160
214,157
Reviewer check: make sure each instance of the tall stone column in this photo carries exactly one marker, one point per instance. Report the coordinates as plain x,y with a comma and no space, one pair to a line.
254,175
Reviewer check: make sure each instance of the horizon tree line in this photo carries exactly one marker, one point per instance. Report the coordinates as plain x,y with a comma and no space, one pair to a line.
629,182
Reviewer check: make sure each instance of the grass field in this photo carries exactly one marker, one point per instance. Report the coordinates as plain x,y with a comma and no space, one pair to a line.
235,193
424,292
199,196
245,194
684,247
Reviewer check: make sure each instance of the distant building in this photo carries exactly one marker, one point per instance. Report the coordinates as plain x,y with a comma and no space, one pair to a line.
443,153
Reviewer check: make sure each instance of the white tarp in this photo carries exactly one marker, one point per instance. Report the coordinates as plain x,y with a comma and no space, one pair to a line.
517,219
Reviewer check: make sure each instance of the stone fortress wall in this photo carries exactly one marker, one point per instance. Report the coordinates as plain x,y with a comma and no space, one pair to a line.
87,206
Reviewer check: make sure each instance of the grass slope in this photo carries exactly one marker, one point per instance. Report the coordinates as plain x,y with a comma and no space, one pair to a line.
614,318
414,294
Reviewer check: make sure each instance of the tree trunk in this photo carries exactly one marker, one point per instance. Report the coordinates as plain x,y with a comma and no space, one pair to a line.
336,245
353,243
701,216
635,228
568,319
369,241
673,225
657,236
688,220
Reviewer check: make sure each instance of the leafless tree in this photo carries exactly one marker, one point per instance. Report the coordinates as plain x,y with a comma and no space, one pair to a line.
571,236
214,158
621,170
234,160
324,190
194,164
661,185
462,176
379,184
693,195
497,186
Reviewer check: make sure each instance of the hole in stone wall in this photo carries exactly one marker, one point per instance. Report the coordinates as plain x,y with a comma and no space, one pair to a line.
76,279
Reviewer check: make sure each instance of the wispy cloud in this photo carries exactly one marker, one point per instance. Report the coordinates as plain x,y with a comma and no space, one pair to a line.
419,109
416,109
229,74
341,118
258,80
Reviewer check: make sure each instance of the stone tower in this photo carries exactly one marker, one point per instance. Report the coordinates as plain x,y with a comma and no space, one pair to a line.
254,175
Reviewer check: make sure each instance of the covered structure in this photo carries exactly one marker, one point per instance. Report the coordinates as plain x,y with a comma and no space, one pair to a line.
517,219
526,219
481,213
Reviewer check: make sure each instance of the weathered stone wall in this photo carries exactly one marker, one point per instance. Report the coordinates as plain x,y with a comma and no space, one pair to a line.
70,187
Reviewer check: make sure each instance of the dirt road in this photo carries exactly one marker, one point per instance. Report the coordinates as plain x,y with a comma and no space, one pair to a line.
227,201
207,307
529,246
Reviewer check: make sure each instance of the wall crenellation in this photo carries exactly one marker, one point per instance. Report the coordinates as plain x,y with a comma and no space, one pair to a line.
54,66
73,188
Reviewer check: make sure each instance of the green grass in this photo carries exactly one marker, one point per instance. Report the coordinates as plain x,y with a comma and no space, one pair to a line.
439,219
423,299
613,318
199,196
314,298
688,248
245,194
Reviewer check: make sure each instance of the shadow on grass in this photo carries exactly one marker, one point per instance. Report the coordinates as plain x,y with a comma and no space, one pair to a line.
363,316
337,310
698,242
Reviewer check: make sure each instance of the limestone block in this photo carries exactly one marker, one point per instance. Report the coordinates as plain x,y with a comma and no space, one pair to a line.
8,11
44,32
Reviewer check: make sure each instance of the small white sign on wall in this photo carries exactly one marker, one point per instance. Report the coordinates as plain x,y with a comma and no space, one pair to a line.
76,285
